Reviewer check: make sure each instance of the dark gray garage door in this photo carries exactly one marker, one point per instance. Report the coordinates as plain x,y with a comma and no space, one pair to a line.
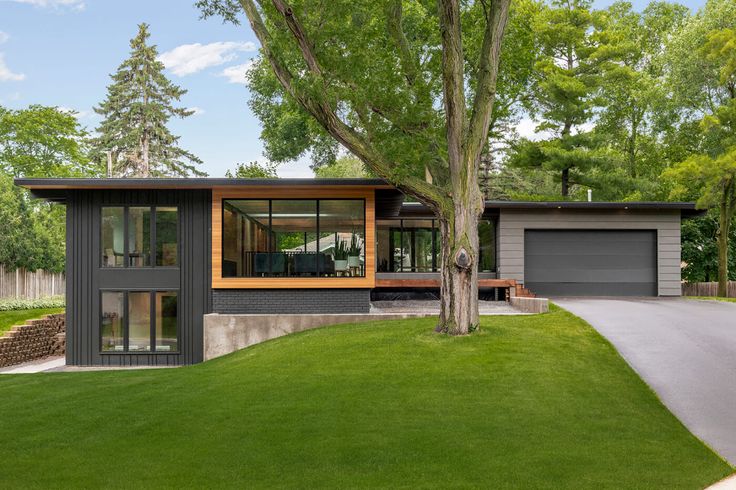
591,262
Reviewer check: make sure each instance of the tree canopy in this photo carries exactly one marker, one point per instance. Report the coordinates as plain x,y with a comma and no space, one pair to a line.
139,104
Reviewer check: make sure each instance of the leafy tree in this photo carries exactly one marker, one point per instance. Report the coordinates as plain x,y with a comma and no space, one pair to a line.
568,74
37,141
137,109
633,97
42,142
253,170
700,249
712,173
394,83
32,233
345,167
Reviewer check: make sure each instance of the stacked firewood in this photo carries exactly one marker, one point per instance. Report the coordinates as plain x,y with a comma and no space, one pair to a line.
34,340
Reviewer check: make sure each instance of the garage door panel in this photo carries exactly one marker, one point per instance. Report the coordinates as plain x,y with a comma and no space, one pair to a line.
591,262
594,289
603,261
591,276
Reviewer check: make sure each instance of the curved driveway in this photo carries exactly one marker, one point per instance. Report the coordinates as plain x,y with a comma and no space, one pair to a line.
684,349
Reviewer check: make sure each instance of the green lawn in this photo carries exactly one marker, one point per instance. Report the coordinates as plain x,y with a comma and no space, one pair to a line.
19,317
712,298
529,402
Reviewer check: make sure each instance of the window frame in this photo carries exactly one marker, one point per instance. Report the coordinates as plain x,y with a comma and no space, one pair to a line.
152,250
270,225
435,245
152,321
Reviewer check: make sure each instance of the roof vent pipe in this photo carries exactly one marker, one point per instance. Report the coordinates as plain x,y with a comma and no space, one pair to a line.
590,195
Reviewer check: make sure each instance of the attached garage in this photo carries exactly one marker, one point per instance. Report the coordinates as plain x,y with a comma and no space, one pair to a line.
591,262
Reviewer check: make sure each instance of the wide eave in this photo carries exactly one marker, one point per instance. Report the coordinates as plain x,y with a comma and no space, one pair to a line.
387,199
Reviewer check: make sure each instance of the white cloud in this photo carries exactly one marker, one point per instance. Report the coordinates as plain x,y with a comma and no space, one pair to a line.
77,5
76,113
6,75
236,73
192,58
198,111
4,36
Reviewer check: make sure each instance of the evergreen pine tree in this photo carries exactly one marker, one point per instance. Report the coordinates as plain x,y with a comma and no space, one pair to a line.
138,106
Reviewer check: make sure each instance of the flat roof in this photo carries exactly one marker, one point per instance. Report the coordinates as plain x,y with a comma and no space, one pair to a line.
53,189
686,208
185,183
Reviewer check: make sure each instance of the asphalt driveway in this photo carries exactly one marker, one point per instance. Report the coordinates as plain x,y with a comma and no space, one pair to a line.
684,349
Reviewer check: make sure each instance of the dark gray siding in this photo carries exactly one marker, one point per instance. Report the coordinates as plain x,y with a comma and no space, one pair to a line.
291,300
591,262
85,277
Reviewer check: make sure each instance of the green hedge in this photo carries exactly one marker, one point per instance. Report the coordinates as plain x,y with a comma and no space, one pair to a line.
30,304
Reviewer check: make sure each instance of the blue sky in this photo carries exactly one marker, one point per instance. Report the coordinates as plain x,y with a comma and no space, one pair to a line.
61,52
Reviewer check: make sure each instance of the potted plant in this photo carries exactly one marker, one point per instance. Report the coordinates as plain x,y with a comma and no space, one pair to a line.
341,256
354,252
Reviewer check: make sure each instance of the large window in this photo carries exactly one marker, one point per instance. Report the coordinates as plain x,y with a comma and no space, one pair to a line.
413,245
293,238
139,236
139,321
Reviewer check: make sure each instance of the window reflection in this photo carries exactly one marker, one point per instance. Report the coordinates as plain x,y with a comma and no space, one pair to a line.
113,236
413,245
293,238
112,326
139,237
139,321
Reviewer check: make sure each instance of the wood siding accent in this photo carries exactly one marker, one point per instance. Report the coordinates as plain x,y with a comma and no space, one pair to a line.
435,283
294,192
666,223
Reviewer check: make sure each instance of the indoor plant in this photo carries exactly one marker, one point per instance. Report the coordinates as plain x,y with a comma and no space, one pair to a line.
354,252
341,256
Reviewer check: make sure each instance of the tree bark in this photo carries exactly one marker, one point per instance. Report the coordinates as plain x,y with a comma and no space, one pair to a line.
459,271
565,178
724,228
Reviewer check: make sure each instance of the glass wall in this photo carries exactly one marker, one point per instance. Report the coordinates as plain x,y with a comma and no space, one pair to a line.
113,236
139,237
128,323
413,245
166,237
128,235
293,238
139,318
166,321
113,321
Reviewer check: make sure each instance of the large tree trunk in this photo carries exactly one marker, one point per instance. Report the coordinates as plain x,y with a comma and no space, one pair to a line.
565,178
724,227
459,270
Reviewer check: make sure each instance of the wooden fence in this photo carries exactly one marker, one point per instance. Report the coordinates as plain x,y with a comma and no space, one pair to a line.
30,285
706,289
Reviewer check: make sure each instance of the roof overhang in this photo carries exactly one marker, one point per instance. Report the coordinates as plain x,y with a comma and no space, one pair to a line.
56,189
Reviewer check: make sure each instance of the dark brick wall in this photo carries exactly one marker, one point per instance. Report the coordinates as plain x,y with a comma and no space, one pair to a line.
290,300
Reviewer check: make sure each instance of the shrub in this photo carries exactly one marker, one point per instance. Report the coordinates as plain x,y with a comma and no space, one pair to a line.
30,304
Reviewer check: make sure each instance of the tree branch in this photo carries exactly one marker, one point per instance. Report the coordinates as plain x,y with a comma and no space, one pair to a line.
487,74
452,81
408,63
320,109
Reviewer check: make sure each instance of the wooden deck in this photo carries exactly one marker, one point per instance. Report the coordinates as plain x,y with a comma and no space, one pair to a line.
519,290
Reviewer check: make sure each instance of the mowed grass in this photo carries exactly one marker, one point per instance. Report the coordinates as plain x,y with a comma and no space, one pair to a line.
528,402
19,317
712,298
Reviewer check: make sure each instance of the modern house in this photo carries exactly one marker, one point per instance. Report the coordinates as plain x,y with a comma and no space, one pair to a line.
148,258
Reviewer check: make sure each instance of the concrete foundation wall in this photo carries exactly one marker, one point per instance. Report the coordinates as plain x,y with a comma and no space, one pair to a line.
530,305
263,301
224,334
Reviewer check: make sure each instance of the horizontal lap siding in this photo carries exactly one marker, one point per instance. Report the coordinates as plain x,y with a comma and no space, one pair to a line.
512,224
84,278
